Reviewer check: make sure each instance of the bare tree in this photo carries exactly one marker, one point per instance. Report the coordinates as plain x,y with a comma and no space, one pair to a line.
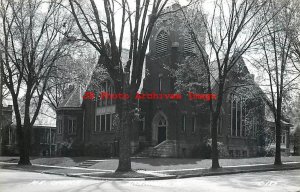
276,62
231,28
29,40
137,19
73,69
295,35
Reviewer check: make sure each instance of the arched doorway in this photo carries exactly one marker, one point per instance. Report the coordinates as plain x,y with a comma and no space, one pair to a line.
159,128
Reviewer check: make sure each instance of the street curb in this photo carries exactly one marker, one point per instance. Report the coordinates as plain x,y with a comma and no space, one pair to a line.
161,178
235,172
52,173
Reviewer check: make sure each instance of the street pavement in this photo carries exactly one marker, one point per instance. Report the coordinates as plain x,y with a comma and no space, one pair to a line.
272,181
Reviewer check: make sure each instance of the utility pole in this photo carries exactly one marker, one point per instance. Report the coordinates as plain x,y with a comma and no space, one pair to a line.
1,101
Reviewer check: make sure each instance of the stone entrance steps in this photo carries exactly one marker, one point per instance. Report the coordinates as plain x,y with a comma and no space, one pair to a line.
148,152
164,149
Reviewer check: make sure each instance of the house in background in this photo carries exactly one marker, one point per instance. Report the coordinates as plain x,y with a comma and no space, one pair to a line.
70,121
42,138
6,123
165,128
285,132
295,143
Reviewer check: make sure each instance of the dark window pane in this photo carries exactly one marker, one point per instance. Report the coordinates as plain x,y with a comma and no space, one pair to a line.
243,119
102,122
74,126
98,123
70,126
183,123
238,123
219,125
107,122
233,118
159,84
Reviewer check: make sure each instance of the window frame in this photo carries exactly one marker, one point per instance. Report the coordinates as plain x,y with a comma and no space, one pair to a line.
237,116
73,127
97,123
103,123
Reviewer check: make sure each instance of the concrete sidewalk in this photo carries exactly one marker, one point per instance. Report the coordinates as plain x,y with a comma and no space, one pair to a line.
148,164
104,174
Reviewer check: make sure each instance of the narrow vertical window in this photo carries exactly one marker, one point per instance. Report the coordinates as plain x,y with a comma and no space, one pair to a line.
233,117
74,126
183,123
108,122
159,84
47,136
243,118
238,117
194,123
70,126
97,123
102,123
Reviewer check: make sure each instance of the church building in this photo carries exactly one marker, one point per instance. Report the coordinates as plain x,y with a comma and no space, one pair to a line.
166,127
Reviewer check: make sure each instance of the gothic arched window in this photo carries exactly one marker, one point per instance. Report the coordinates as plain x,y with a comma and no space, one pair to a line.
161,42
238,113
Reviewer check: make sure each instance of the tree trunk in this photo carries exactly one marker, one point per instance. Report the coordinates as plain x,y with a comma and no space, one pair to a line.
214,146
125,152
24,145
125,110
278,143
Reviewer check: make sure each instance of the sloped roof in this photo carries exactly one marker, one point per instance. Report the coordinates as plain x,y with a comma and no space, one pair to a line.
100,74
214,70
74,99
46,117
